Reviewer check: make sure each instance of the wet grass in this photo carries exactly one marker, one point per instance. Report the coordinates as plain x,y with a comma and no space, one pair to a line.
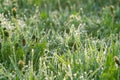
59,40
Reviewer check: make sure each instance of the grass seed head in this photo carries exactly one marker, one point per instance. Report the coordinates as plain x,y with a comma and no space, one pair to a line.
21,64
14,12
112,9
116,59
5,32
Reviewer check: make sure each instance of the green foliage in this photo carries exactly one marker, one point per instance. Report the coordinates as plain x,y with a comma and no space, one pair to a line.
59,40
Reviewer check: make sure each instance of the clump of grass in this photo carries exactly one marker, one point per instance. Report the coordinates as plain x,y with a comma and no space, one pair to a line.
56,40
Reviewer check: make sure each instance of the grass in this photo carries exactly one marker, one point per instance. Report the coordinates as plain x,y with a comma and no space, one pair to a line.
59,40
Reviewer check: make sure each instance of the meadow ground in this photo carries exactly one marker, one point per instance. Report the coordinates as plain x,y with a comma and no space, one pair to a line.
59,40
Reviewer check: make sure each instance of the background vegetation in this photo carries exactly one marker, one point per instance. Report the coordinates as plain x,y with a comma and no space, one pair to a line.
59,39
